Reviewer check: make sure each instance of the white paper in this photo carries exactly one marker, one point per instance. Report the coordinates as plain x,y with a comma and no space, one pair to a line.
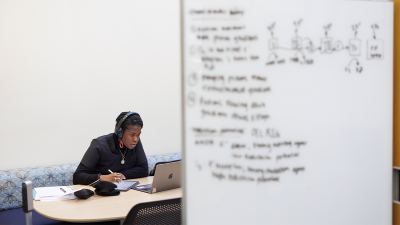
58,198
54,193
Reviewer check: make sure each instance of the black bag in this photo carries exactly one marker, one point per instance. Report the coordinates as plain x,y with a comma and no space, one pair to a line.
84,194
105,188
153,171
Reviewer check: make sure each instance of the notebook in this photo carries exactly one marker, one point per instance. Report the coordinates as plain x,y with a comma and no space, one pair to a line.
166,177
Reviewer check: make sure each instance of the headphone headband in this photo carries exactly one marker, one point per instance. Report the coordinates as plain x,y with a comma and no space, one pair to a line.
122,120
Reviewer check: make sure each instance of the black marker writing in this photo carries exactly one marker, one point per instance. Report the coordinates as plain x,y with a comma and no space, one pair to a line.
240,178
213,113
224,89
286,156
233,28
236,104
213,78
258,78
245,38
237,78
220,176
207,11
263,179
261,145
203,29
296,170
300,143
221,38
259,117
257,157
284,143
204,142
204,130
257,105
232,130
238,146
239,117
210,102
211,59
259,90
278,170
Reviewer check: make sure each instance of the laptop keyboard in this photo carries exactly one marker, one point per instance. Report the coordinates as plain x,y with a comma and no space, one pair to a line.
146,187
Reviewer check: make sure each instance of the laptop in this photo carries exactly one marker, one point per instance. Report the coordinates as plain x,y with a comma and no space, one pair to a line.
166,177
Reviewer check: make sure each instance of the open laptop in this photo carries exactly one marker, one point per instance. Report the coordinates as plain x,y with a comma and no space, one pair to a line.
167,176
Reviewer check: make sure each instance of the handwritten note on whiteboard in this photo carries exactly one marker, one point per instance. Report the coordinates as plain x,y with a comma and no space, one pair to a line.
287,111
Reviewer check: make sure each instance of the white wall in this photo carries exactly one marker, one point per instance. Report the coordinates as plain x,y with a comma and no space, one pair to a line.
68,68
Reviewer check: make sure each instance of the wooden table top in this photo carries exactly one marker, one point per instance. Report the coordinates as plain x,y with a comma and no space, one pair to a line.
101,208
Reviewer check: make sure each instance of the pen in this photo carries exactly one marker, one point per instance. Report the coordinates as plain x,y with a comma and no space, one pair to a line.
63,190
112,172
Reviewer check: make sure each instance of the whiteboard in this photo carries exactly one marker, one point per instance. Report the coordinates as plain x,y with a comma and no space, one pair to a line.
287,112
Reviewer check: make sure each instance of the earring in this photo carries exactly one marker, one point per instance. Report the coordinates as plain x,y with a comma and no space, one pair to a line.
121,145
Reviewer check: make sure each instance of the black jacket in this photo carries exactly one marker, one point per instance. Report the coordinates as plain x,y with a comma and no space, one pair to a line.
104,154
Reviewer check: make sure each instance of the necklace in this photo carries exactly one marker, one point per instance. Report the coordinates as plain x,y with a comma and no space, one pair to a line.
123,156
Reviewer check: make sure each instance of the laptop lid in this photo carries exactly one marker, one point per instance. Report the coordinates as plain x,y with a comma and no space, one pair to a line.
167,176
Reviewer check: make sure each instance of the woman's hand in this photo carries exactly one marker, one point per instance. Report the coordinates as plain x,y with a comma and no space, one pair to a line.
114,177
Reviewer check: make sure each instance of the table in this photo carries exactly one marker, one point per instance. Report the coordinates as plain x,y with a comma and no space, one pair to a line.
101,208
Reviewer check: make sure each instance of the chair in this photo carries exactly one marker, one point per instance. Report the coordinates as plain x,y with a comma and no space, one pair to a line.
158,212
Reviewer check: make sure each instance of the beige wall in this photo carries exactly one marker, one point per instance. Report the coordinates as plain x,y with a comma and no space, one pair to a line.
68,68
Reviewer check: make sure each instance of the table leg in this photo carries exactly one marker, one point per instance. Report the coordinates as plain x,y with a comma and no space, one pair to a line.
28,218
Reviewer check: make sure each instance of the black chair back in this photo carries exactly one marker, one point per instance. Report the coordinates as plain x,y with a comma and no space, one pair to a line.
158,212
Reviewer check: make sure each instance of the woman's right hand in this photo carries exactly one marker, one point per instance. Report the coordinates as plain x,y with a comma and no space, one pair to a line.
114,177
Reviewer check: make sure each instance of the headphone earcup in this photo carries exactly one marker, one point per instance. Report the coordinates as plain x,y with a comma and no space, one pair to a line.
120,133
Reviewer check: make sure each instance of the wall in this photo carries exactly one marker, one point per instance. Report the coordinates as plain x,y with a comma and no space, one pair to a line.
68,68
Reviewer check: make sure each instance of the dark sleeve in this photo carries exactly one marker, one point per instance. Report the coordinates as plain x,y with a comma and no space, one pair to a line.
141,167
84,175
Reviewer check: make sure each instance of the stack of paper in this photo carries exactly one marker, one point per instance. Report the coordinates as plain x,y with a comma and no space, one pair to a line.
54,193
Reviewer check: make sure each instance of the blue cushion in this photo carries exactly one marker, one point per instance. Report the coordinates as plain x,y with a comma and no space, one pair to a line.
153,159
48,176
42,176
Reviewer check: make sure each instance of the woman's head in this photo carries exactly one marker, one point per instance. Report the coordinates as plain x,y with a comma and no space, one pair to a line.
131,129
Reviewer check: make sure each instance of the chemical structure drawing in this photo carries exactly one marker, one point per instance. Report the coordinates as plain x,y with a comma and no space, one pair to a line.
273,45
354,66
326,42
296,40
354,50
302,59
309,45
355,43
273,42
274,59
374,46
301,45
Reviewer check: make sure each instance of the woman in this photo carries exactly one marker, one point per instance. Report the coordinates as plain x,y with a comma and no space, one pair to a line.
120,152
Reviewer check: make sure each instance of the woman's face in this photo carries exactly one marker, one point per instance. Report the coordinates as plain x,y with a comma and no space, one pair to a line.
131,136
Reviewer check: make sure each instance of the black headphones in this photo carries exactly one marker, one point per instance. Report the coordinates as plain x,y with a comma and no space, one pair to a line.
118,130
